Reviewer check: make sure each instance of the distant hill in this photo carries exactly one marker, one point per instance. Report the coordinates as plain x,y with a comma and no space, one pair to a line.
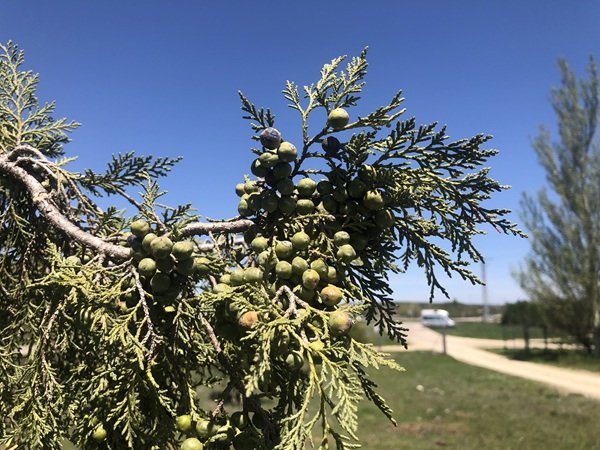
456,309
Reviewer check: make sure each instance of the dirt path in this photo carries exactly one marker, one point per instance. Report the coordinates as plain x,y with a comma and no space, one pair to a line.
470,351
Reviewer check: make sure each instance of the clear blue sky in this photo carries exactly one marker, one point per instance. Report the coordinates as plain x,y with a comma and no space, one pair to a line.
162,78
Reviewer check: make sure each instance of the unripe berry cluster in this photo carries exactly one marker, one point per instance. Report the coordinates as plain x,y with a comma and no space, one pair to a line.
236,430
164,266
298,258
353,200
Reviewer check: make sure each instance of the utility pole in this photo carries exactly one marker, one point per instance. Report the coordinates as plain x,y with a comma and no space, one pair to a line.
484,294
444,351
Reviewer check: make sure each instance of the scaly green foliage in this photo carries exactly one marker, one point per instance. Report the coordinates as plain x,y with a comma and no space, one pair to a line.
112,328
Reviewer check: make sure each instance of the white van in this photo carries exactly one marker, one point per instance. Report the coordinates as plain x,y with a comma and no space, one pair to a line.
436,318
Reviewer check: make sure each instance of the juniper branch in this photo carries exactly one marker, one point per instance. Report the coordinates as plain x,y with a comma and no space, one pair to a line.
230,227
56,217
41,199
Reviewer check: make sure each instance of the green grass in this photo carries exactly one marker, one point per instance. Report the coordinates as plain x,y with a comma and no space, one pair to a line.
574,359
464,407
485,330
461,407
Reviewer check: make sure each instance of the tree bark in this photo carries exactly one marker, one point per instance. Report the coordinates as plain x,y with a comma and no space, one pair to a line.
597,342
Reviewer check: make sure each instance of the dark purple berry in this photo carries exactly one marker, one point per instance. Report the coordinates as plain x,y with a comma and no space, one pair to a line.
270,138
331,146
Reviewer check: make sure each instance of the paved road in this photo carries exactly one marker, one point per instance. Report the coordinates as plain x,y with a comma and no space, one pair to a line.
471,351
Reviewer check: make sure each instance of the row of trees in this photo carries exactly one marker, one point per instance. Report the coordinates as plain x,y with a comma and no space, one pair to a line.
562,273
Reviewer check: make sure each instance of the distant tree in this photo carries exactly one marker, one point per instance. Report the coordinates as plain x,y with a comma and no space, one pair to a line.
525,314
561,273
